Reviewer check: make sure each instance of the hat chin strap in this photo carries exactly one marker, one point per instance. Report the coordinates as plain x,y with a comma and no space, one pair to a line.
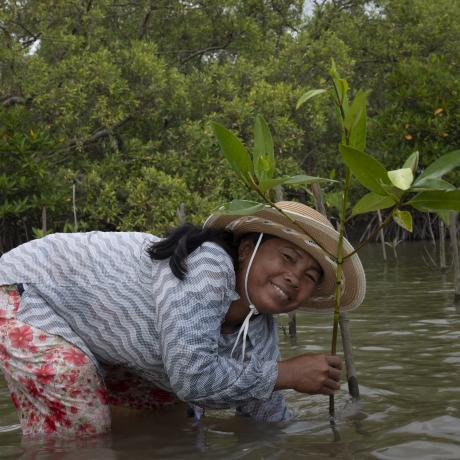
252,308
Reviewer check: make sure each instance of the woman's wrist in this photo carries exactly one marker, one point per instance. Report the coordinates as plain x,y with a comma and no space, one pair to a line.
283,381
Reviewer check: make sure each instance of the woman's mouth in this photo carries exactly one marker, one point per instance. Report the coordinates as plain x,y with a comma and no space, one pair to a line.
280,291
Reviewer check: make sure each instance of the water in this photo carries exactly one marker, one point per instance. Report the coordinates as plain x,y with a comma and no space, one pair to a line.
406,340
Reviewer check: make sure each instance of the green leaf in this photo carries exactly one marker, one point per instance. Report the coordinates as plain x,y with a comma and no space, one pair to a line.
358,121
341,86
432,184
358,106
444,216
369,171
372,202
308,95
234,151
401,178
436,200
412,162
441,166
333,70
403,219
240,208
301,179
393,191
264,155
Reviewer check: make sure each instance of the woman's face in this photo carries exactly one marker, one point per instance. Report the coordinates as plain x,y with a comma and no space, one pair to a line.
282,276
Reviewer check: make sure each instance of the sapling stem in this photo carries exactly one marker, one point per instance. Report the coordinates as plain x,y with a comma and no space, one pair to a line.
338,281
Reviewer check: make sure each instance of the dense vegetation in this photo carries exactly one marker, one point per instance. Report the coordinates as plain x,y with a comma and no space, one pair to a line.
106,106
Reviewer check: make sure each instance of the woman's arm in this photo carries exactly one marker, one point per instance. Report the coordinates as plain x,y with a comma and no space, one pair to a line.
189,318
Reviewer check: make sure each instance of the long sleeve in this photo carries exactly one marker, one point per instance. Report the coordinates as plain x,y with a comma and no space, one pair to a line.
189,316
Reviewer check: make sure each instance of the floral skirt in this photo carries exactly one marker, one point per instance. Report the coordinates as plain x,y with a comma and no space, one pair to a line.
55,387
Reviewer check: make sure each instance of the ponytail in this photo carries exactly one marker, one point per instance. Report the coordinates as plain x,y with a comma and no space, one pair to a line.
183,240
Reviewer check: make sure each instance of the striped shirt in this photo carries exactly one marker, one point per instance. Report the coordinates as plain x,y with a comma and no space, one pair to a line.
101,292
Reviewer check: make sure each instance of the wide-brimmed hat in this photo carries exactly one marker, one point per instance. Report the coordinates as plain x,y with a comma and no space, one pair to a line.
313,233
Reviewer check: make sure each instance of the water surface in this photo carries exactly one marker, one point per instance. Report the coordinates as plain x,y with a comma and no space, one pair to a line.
406,341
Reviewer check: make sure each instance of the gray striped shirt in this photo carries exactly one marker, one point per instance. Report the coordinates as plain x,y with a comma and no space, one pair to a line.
102,292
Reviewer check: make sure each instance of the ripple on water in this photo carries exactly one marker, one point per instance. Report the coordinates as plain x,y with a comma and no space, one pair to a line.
446,427
441,322
386,333
448,335
373,348
418,450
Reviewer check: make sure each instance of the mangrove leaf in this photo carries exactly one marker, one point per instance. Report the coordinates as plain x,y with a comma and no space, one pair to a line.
369,171
436,200
439,167
308,95
234,151
403,219
372,202
240,208
401,178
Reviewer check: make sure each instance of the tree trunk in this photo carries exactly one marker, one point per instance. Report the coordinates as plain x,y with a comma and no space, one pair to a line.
44,225
74,207
181,214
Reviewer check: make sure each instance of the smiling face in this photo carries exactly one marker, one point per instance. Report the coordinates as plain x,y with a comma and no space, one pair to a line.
281,278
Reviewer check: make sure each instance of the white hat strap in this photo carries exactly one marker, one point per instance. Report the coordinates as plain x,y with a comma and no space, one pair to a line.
252,308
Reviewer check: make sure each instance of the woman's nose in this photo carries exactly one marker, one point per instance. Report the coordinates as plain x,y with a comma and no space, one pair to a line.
292,279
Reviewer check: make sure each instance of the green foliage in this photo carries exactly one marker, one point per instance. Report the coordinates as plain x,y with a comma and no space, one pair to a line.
115,92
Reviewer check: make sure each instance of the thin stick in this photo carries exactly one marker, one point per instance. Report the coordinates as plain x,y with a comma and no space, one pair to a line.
442,245
44,226
382,236
74,207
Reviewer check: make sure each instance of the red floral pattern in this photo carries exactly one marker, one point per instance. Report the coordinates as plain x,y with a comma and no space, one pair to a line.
75,356
39,367
45,373
21,336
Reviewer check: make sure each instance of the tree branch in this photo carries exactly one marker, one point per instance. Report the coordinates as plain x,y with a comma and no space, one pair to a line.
145,22
206,50
14,100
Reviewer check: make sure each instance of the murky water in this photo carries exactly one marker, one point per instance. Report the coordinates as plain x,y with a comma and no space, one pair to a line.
406,340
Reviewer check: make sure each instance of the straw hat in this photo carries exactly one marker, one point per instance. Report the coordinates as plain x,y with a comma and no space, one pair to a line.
317,228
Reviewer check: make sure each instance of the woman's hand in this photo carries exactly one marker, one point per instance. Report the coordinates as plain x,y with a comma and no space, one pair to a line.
313,374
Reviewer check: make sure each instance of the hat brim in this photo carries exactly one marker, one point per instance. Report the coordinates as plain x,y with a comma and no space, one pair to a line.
314,234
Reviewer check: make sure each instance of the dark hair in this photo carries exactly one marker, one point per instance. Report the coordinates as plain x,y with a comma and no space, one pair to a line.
183,240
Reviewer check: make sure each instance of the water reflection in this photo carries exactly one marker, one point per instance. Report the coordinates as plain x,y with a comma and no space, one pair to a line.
407,354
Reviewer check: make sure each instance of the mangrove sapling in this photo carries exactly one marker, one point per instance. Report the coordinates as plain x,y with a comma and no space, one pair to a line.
397,190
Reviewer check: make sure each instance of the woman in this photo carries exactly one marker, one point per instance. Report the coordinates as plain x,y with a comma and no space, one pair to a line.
89,320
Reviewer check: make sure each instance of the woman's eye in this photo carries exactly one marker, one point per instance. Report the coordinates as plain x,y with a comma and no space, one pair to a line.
312,277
